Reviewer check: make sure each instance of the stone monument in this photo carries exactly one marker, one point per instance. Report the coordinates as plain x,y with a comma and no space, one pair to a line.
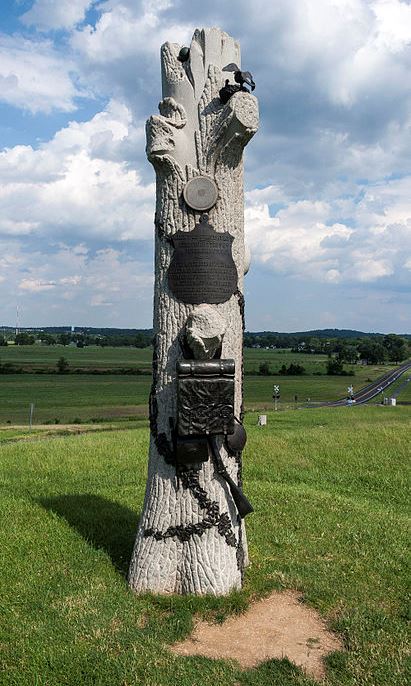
191,536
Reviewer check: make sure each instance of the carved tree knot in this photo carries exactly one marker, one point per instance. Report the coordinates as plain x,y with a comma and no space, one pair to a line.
205,329
174,112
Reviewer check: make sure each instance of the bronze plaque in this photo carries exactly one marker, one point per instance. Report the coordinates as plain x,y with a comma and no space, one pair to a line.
202,268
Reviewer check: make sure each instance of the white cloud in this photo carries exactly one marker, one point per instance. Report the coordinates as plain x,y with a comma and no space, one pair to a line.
309,239
47,281
366,268
119,55
36,285
342,49
293,240
34,76
52,14
393,24
12,227
126,29
79,183
70,280
269,195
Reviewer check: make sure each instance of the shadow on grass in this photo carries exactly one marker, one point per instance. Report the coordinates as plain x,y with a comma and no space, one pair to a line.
104,524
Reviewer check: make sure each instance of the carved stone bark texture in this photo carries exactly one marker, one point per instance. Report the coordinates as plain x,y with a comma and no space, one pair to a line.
190,538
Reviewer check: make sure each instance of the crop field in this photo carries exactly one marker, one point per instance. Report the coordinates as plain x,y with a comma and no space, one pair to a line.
93,397
329,487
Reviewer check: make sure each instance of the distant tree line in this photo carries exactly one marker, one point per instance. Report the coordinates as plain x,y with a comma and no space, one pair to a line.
136,340
264,369
373,349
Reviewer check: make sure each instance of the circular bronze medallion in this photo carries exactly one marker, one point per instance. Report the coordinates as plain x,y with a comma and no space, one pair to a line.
200,193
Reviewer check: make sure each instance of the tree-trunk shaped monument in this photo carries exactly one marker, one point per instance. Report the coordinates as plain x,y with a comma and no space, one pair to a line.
191,536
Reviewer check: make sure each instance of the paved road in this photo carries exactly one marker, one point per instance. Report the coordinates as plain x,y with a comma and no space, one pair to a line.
374,388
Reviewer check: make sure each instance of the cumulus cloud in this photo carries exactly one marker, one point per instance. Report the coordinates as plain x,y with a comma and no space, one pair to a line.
294,241
35,76
312,240
59,280
119,54
79,183
50,15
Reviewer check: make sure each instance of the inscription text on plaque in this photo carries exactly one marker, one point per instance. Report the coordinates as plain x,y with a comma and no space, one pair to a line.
202,268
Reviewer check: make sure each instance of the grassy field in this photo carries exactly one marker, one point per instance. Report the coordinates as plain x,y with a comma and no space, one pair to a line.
40,357
405,393
45,357
403,387
72,398
253,357
331,512
88,397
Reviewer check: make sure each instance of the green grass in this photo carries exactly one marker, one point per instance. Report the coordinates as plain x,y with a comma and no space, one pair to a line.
22,433
85,397
258,390
72,397
403,386
405,393
329,490
253,357
17,433
41,356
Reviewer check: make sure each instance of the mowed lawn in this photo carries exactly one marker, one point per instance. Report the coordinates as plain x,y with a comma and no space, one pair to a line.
329,487
86,397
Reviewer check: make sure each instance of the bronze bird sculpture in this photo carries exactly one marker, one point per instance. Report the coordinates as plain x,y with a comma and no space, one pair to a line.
240,77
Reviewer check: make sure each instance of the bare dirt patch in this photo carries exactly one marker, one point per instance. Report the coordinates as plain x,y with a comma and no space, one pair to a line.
276,627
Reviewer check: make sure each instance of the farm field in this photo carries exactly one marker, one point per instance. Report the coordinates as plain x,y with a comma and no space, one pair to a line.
46,356
331,506
74,398
86,397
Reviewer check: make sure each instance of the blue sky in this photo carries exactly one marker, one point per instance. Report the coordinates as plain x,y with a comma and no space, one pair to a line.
328,176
